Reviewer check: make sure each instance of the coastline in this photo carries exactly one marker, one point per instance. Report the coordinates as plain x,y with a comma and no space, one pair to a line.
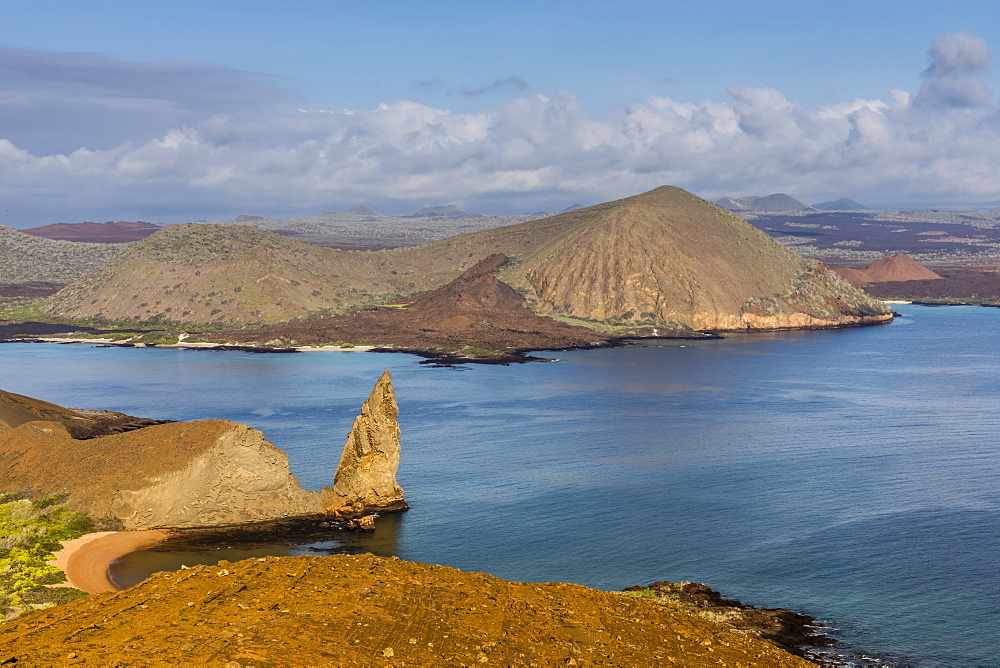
85,560
193,345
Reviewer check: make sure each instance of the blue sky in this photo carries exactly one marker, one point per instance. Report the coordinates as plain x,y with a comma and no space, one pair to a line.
179,111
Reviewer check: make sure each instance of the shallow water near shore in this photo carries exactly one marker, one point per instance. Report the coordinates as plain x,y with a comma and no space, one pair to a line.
851,475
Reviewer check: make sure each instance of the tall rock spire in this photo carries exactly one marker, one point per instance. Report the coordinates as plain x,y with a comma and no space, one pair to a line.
366,476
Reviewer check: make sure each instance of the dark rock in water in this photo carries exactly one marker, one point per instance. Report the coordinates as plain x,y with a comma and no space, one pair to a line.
791,631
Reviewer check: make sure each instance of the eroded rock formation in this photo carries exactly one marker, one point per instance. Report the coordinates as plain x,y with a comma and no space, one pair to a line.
189,474
366,476
183,474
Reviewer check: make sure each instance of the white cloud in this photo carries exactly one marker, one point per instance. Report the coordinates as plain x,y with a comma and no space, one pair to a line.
938,146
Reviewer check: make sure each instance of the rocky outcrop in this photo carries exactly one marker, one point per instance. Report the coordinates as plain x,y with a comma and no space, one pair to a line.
182,474
366,476
190,474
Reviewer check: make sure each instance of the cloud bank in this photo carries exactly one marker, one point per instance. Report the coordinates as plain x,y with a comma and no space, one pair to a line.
182,141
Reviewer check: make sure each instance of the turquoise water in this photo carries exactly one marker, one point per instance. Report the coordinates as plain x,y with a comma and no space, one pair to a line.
851,475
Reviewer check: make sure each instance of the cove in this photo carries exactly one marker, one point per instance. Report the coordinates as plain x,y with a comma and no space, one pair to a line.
849,474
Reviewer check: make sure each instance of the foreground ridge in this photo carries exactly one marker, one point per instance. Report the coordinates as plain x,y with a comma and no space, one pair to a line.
368,610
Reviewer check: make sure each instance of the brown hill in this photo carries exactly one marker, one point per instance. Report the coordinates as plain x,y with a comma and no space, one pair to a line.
855,277
663,258
899,267
475,310
669,257
367,610
179,474
105,233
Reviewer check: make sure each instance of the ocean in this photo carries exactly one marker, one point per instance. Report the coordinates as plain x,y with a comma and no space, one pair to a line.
851,475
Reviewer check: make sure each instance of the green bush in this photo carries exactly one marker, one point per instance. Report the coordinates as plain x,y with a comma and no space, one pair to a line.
30,531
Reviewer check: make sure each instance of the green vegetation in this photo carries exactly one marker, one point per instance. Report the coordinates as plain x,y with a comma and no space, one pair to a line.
24,309
471,351
25,258
338,343
159,337
30,531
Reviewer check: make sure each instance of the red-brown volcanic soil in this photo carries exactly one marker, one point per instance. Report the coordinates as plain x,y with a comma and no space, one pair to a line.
967,284
898,268
366,610
107,233
32,289
476,310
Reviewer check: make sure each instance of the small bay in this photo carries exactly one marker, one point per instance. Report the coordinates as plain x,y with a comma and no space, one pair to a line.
851,475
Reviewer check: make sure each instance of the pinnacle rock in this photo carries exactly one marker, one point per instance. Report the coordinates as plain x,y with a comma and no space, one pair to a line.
366,476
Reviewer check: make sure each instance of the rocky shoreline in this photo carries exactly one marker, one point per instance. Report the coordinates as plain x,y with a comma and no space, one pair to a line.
794,632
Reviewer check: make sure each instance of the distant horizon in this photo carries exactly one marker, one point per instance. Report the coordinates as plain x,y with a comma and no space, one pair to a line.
126,112
945,208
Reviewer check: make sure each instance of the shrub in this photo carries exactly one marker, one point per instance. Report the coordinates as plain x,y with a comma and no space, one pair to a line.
30,531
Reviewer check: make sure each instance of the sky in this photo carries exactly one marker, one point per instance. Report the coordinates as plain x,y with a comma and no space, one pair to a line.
169,112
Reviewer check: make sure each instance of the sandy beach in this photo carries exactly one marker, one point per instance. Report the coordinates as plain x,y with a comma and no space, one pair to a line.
198,344
85,560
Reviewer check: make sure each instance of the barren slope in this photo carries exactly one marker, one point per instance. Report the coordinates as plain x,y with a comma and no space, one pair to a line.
367,610
179,474
669,257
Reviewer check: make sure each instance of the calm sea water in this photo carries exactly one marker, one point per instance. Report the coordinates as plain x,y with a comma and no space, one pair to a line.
852,475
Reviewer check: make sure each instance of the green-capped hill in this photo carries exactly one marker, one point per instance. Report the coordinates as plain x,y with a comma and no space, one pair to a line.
665,257
25,258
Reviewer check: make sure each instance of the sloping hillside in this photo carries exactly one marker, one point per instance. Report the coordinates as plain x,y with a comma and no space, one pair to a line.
474,312
775,202
664,257
232,274
16,409
25,258
364,610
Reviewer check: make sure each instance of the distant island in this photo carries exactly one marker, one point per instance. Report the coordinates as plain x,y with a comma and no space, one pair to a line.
663,263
